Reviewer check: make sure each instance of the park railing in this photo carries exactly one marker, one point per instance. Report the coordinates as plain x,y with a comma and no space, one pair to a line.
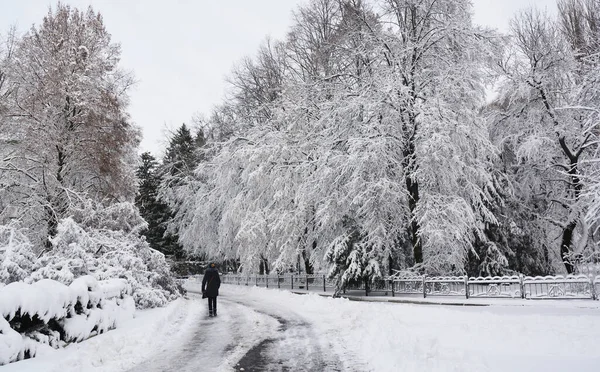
515,286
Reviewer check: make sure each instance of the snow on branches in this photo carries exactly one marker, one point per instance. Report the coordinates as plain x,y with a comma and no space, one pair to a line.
354,149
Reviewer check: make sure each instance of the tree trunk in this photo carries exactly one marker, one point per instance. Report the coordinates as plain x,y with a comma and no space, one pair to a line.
412,186
576,185
308,267
565,247
263,266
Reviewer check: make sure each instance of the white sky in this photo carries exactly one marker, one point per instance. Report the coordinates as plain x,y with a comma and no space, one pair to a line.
181,50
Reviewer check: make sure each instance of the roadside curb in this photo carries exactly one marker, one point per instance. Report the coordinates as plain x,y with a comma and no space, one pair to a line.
395,300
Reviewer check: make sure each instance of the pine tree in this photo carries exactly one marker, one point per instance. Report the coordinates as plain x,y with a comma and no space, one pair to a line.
156,213
176,174
181,157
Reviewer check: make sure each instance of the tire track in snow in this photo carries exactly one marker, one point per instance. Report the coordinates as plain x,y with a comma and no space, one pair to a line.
293,347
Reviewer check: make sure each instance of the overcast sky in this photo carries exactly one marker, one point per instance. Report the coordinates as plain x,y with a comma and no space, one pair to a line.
181,50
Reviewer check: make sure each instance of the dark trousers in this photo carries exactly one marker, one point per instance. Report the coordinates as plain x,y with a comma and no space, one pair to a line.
212,305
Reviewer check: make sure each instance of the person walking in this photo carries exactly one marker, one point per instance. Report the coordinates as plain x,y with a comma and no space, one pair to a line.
210,288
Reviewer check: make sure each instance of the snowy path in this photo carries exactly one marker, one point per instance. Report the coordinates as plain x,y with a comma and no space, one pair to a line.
214,343
245,335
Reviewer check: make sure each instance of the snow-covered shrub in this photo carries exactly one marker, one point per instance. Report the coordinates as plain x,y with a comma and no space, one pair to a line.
105,242
147,271
123,217
49,312
13,346
71,256
16,255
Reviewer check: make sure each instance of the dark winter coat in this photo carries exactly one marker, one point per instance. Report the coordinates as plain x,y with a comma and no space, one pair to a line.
211,282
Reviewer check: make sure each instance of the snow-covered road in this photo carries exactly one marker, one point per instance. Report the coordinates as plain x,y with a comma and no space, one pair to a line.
248,335
270,330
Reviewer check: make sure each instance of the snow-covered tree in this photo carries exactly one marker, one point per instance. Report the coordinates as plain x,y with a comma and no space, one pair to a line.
547,122
67,161
351,120
66,131
155,212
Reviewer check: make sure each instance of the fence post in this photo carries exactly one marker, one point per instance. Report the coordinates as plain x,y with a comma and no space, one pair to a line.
292,281
594,294
467,286
256,280
324,289
522,285
393,289
267,280
424,287
278,282
306,282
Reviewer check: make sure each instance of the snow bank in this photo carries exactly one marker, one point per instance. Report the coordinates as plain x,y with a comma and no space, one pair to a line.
52,313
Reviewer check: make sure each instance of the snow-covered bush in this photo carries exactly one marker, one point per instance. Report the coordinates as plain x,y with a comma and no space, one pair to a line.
104,242
71,255
49,312
123,217
101,241
13,346
16,254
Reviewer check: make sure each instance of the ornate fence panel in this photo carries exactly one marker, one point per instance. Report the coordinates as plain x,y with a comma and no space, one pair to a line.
570,286
408,285
260,280
496,286
380,287
319,282
445,286
285,281
356,286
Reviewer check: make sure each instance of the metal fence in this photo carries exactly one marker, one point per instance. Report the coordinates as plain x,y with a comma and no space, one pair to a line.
516,286
290,281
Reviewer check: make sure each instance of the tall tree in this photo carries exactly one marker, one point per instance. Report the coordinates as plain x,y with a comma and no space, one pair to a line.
421,126
548,115
370,129
67,128
155,212
177,178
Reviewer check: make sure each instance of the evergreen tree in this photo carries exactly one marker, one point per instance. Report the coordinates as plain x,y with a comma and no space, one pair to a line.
176,176
181,157
155,212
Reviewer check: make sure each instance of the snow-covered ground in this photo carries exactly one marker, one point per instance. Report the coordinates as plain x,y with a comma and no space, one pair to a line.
274,329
